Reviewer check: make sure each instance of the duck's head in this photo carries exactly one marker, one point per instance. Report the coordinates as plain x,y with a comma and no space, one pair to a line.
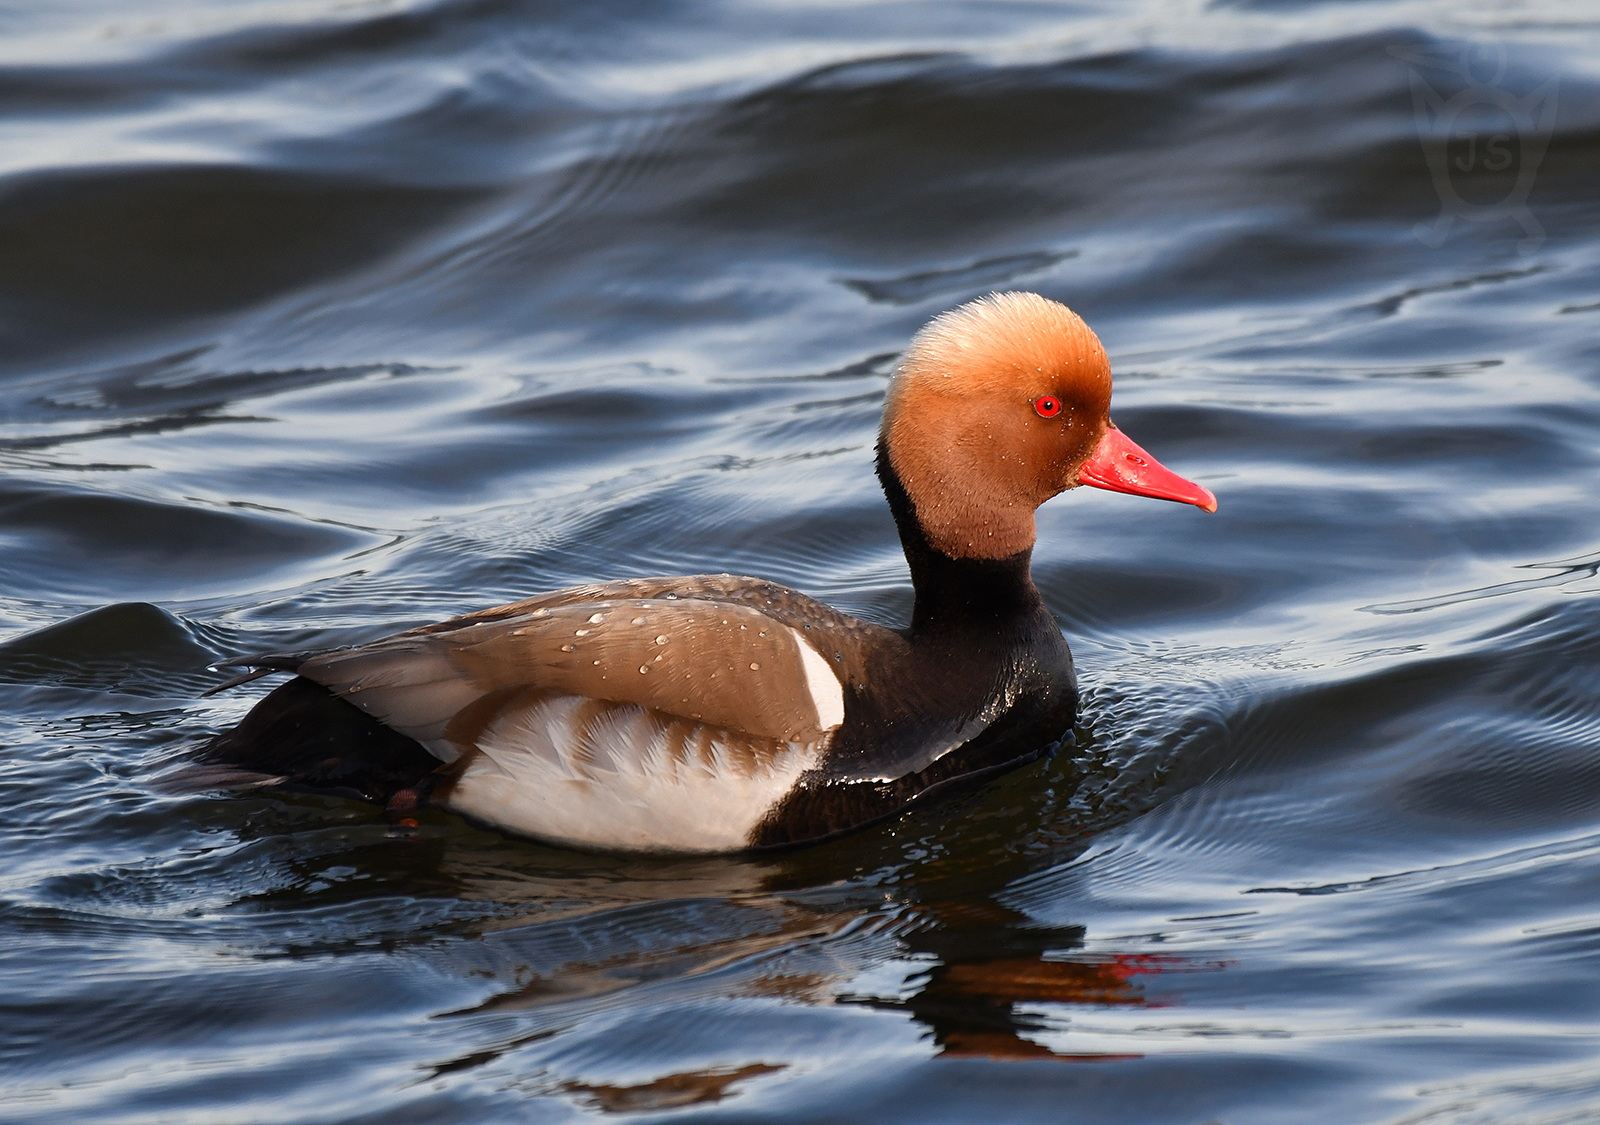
996,407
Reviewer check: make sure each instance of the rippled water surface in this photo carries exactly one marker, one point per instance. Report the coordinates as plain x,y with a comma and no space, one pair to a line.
322,319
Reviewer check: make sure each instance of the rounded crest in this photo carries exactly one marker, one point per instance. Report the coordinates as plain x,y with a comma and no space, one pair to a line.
963,428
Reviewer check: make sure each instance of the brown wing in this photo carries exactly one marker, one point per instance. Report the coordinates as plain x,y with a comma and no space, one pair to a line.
844,641
728,665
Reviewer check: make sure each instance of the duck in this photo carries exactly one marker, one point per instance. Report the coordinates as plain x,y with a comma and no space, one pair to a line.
722,713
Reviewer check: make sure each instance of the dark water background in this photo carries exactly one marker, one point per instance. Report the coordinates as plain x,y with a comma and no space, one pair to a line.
322,319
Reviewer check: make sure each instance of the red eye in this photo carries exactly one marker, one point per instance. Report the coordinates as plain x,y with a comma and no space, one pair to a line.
1048,406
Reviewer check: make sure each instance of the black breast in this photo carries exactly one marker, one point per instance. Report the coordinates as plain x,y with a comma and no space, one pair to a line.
984,685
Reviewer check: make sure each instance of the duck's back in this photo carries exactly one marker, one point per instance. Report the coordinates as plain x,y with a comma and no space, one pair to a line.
705,713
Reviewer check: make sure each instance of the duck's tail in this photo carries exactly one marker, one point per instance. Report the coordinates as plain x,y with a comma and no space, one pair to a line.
302,736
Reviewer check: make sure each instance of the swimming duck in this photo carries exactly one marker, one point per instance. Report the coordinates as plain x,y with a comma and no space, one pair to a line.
717,713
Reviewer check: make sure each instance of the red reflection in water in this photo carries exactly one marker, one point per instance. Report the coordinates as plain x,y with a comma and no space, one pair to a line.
989,966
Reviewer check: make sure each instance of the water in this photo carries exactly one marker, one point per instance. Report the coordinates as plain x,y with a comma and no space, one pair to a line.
322,319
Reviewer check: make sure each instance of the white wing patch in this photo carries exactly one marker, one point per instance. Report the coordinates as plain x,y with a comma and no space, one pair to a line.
626,778
827,693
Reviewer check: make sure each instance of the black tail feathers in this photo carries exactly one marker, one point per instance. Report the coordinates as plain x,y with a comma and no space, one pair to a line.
302,736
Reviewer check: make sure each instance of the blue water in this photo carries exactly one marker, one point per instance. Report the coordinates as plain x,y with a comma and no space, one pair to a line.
319,320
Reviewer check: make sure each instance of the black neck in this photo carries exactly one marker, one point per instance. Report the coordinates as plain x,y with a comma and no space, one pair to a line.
953,594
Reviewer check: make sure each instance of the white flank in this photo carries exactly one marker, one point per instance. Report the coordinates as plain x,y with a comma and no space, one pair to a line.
827,694
621,787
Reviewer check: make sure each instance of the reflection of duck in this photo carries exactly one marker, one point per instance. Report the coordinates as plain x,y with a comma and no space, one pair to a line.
714,712
982,980
990,965
670,1091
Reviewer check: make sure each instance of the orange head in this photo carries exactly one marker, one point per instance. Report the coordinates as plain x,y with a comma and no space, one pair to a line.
999,405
